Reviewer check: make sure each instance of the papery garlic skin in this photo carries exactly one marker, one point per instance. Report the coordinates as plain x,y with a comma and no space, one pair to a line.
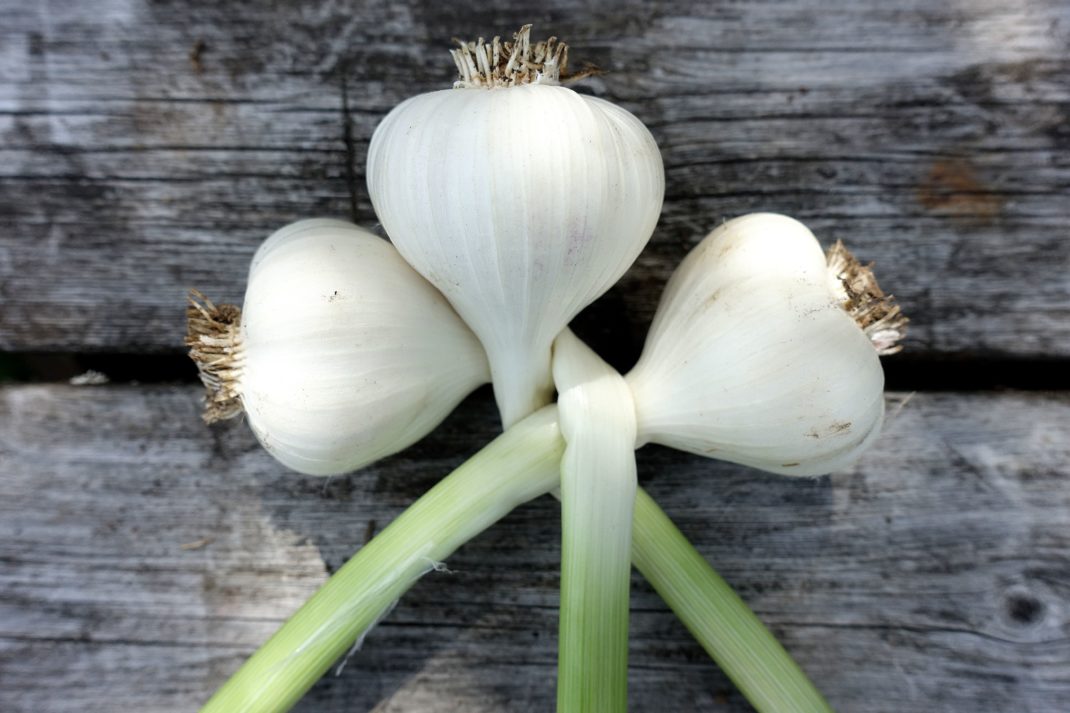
522,204
752,359
348,355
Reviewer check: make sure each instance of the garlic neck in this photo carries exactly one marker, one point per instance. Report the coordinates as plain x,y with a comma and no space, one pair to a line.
861,297
522,381
508,64
213,334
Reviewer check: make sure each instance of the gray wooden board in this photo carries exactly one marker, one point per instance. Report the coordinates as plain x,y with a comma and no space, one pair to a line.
148,147
146,555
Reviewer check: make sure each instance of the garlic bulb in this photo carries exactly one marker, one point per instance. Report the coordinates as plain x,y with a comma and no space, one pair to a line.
764,352
342,353
521,200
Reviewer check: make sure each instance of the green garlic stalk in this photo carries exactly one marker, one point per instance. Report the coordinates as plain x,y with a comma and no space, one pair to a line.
516,467
598,484
718,619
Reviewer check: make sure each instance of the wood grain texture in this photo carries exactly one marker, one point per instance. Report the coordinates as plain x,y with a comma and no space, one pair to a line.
148,147
146,555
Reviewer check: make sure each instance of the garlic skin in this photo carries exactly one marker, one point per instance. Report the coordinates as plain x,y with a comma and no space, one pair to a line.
521,200
753,358
344,354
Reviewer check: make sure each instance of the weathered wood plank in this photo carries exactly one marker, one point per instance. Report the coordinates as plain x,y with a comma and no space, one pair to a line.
146,555
146,148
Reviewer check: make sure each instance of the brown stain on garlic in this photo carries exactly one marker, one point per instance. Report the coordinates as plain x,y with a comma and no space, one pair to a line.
952,187
712,299
727,248
840,427
836,428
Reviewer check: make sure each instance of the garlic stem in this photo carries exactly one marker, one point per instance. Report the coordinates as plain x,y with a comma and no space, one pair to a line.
715,615
598,484
522,383
514,468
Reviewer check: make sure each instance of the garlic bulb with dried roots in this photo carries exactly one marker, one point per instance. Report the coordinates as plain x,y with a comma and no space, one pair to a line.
342,354
521,200
765,352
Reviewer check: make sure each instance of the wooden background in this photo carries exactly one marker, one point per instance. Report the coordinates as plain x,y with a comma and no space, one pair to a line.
147,147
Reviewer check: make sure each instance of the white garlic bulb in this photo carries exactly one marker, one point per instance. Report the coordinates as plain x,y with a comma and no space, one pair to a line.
521,200
342,353
764,352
